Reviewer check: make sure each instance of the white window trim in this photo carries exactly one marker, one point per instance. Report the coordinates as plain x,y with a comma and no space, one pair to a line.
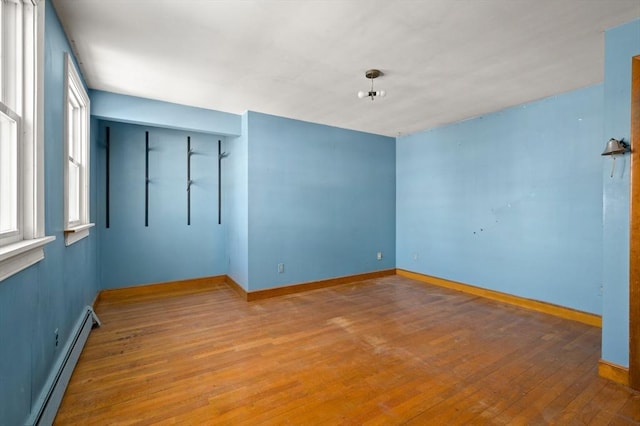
20,255
75,231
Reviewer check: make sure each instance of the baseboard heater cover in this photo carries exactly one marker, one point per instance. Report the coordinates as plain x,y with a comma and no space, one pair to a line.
46,406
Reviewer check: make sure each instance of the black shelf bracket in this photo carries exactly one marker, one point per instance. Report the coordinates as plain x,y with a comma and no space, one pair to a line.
146,179
189,154
107,171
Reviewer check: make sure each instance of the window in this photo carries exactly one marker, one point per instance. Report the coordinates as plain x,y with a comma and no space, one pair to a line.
76,169
21,129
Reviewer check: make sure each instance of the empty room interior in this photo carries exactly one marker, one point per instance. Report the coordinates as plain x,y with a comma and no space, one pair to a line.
320,212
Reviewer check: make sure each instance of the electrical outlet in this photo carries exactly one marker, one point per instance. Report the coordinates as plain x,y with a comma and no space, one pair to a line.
56,335
379,256
415,256
280,268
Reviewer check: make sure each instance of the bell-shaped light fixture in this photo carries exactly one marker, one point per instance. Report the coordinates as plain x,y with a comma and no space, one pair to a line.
371,74
615,147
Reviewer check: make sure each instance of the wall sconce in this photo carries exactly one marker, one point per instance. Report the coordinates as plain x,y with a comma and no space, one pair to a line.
615,147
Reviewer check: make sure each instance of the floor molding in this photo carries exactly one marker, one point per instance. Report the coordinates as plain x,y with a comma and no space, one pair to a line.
613,372
113,294
313,285
236,287
204,282
121,293
535,305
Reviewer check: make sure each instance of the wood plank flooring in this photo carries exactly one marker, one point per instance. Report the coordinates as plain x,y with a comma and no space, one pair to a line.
382,352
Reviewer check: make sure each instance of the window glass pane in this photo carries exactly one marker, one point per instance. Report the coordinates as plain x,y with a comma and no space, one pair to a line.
77,135
3,50
8,174
74,138
10,58
70,132
74,192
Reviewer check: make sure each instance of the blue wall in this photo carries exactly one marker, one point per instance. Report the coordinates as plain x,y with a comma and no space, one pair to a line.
317,198
168,249
235,169
510,201
621,44
321,201
52,293
135,110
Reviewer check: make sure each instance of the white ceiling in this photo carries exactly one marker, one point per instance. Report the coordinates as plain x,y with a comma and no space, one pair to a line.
443,60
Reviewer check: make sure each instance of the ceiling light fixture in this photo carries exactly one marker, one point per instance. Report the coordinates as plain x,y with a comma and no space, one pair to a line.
371,74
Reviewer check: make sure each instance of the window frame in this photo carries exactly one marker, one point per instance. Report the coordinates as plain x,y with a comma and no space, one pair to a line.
77,152
28,51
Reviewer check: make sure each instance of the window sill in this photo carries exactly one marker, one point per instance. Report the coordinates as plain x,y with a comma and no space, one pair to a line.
18,256
77,233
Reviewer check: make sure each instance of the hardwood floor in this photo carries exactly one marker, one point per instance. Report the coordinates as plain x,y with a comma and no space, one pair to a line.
383,351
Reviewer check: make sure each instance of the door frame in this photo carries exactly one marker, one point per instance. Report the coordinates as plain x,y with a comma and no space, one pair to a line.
634,229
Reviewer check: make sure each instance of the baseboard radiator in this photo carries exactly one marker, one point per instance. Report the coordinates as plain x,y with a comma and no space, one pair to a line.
46,407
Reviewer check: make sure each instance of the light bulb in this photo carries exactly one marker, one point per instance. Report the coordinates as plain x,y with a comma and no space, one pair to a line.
362,94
